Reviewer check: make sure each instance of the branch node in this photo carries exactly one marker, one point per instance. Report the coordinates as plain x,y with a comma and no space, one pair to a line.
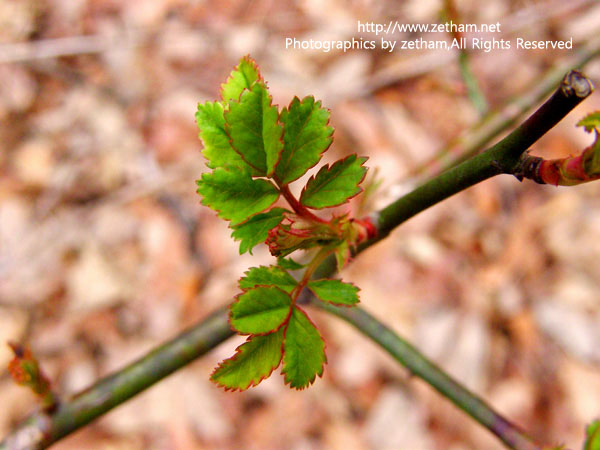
499,167
529,167
576,84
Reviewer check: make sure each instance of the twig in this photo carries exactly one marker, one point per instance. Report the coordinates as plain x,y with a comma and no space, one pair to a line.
501,158
420,366
474,92
41,430
67,46
494,123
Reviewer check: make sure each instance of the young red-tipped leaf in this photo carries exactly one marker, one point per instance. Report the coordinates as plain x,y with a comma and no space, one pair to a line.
590,122
268,276
260,310
335,291
334,185
306,136
256,229
303,351
26,371
217,149
244,76
235,195
254,129
253,361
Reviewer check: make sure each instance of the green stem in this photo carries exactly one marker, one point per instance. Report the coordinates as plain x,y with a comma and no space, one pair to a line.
42,429
494,123
419,365
473,91
308,273
501,158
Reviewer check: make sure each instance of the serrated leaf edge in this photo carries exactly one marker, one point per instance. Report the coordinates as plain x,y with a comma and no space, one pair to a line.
320,375
271,104
326,125
233,227
343,305
275,330
328,167
257,285
234,357
254,64
218,211
200,130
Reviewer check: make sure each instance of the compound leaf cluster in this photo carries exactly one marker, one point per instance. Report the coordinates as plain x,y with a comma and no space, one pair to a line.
254,151
246,137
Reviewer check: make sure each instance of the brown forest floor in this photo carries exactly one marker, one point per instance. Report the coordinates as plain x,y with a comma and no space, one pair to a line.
105,250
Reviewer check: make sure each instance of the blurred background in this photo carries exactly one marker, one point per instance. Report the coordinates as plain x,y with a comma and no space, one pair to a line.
105,251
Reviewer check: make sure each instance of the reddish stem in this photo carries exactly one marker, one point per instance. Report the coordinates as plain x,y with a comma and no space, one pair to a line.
296,205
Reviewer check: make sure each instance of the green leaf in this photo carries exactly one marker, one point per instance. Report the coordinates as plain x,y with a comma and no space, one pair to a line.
334,185
303,351
217,149
243,77
590,122
256,229
342,254
335,291
235,195
260,310
289,264
268,276
306,136
253,361
592,167
254,128
592,441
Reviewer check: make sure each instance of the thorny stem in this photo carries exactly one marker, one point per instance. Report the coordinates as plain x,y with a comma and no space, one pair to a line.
41,430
